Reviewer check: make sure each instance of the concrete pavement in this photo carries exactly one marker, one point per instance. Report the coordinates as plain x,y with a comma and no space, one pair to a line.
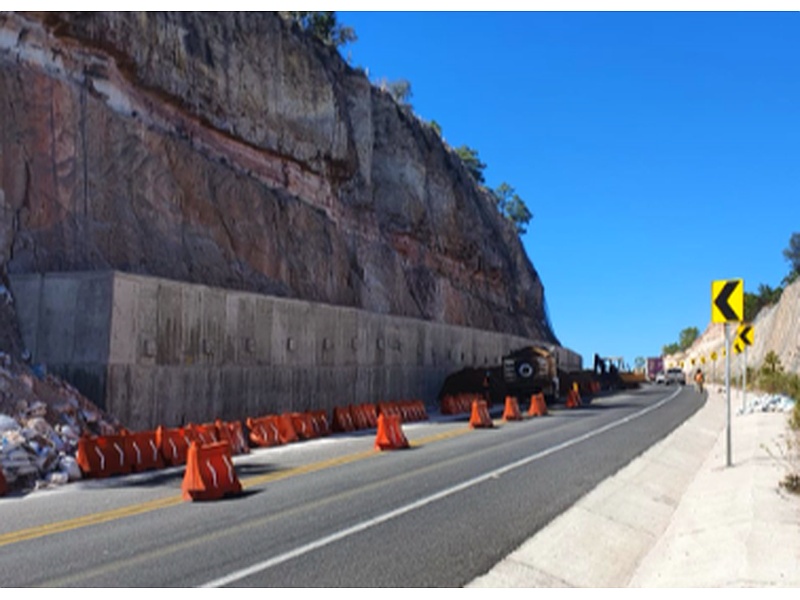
677,516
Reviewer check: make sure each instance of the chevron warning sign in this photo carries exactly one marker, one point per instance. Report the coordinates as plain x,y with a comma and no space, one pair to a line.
745,334
727,300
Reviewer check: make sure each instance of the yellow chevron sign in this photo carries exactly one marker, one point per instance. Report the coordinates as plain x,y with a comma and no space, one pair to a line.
745,334
727,301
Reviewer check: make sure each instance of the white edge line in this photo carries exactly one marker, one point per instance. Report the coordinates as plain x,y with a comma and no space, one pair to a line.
335,537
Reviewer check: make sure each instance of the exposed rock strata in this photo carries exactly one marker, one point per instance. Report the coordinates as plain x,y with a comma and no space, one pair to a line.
234,151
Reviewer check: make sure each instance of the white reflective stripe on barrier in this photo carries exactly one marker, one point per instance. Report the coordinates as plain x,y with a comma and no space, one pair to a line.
213,472
102,458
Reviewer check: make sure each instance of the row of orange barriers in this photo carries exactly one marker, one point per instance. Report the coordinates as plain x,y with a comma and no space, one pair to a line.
459,403
479,416
274,430
133,452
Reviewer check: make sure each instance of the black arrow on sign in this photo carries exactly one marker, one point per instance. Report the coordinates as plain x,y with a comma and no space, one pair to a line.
744,335
721,301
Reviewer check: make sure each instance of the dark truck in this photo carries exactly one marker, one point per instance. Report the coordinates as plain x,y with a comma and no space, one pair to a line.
529,371
522,373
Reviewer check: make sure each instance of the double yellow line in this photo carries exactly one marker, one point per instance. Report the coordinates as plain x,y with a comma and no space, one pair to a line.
161,503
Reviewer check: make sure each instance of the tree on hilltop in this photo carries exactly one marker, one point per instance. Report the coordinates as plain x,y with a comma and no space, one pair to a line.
323,26
512,207
469,157
792,254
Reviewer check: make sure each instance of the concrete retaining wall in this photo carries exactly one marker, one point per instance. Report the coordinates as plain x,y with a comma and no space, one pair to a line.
153,351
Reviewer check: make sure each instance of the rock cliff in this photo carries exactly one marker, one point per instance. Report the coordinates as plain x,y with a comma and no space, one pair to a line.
233,150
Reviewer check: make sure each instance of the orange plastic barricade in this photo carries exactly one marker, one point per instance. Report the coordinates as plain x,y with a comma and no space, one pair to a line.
232,433
370,414
538,406
357,416
102,456
511,411
143,451
204,434
264,431
319,419
3,484
389,408
573,399
419,410
286,430
480,415
390,434
173,444
303,425
210,473
342,420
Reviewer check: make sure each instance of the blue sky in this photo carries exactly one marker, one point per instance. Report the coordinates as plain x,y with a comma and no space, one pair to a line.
657,151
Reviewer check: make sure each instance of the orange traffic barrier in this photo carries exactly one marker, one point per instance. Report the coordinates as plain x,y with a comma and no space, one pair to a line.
370,412
342,420
480,415
454,405
142,451
173,443
389,408
511,411
390,434
204,434
303,425
233,434
102,456
210,473
416,410
264,431
286,430
573,399
3,484
538,406
319,420
358,417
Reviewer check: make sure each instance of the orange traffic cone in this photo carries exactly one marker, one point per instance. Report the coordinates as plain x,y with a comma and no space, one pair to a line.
538,406
480,415
390,434
210,473
511,412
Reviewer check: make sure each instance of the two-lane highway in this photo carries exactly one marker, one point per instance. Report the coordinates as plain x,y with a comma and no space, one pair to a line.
334,512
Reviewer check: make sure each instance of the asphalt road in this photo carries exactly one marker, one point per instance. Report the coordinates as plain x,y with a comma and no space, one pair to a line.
334,512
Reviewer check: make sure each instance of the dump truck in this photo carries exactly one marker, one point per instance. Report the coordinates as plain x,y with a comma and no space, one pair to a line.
522,373
529,371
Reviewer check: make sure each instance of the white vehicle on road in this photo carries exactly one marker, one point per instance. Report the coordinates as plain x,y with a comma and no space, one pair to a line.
675,375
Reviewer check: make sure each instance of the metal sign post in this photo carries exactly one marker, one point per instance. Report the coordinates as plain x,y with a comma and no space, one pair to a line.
727,306
728,394
744,379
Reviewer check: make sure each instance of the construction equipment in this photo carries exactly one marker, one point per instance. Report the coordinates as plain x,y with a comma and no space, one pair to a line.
614,373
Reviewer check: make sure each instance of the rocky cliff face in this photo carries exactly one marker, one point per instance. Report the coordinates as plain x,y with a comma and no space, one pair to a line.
235,151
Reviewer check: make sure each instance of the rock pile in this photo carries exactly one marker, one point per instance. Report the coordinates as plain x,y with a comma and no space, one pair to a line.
768,403
41,420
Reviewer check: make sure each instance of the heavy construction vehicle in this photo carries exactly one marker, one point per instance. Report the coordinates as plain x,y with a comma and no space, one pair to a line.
529,371
614,374
522,373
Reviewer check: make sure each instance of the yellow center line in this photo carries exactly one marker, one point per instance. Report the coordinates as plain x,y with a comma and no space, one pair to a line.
161,503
